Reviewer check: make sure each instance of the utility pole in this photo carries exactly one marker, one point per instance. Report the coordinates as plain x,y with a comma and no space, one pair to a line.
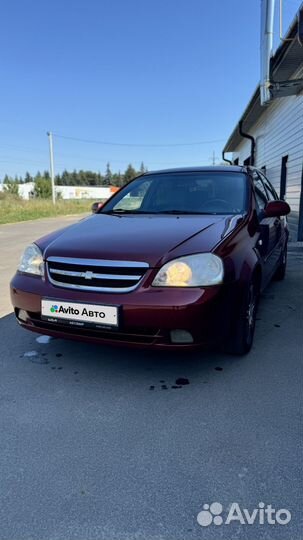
51,158
214,158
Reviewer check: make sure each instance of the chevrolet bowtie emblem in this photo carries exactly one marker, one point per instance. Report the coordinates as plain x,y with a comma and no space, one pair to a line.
88,275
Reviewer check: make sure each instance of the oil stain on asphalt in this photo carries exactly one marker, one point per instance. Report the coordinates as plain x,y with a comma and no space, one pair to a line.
179,383
41,358
182,381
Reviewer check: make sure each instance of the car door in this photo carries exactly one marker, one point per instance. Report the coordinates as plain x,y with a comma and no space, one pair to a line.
270,240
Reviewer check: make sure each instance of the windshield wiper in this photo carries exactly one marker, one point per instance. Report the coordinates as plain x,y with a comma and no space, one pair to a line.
185,212
119,211
125,211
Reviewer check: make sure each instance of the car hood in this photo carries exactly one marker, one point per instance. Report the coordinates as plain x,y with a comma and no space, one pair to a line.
148,238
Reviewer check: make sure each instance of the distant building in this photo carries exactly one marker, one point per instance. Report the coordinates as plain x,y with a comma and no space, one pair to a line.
277,129
27,191
85,192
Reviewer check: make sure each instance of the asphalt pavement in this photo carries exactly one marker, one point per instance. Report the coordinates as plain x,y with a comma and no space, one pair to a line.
102,443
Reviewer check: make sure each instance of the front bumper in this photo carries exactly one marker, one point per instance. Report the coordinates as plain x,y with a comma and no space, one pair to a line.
148,315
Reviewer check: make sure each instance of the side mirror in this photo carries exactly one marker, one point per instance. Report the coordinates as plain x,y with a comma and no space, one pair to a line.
276,209
96,206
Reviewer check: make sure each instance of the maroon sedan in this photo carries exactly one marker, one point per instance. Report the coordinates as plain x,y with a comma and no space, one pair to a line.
176,258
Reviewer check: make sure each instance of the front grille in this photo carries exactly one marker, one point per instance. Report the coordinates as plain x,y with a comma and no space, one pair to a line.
94,274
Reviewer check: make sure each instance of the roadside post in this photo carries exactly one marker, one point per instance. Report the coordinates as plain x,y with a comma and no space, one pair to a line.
51,157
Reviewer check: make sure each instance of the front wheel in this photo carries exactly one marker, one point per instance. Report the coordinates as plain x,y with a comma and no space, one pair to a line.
242,334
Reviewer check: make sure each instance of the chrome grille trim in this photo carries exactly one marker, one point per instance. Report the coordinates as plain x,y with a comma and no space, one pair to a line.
94,275
98,262
89,273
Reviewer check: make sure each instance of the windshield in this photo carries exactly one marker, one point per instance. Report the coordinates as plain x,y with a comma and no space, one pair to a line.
182,193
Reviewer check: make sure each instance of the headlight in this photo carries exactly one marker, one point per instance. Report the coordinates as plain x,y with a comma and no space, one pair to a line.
199,270
32,261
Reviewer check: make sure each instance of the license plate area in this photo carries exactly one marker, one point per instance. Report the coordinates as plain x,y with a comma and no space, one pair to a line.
80,314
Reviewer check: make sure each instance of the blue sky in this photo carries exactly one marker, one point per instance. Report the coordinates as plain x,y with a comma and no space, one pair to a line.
124,71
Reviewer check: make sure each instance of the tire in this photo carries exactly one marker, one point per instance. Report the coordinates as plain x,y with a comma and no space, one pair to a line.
242,333
280,273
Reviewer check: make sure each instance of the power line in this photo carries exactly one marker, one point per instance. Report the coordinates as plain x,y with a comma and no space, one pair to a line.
92,141
106,159
24,148
19,159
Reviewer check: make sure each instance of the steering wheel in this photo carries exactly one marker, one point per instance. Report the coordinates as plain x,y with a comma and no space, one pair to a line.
221,203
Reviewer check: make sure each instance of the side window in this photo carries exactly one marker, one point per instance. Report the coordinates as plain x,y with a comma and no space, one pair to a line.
260,191
272,195
134,198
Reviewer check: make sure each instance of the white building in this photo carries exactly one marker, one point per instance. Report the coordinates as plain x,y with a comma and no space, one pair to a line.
26,191
277,129
85,192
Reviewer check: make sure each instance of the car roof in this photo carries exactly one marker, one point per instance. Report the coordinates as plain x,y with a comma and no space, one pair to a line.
221,168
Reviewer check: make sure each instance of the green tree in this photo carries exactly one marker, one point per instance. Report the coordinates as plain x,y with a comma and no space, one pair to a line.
117,179
38,176
11,186
43,188
65,180
74,178
28,178
129,174
7,179
108,175
143,169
